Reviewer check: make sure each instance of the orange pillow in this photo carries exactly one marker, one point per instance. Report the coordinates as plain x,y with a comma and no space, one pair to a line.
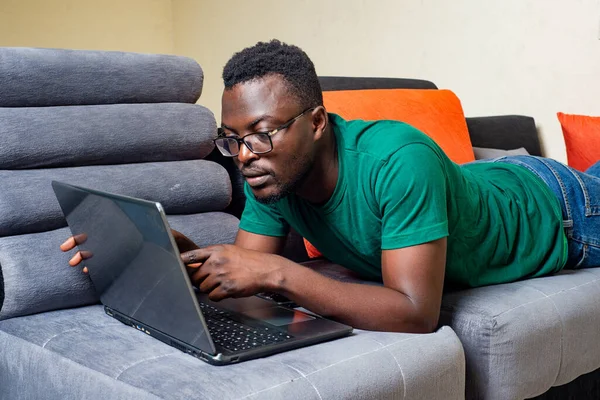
437,113
582,139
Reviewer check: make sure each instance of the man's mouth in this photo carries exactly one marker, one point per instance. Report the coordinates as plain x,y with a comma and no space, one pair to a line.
255,180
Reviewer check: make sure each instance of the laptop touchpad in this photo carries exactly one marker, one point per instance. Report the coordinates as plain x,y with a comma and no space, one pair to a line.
278,316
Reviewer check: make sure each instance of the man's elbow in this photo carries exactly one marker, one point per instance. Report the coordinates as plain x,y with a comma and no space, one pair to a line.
420,323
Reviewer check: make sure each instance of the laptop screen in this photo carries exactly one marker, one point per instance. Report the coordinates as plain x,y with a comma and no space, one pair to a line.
133,265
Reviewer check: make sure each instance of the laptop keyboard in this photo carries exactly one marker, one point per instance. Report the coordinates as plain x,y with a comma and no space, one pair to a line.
236,336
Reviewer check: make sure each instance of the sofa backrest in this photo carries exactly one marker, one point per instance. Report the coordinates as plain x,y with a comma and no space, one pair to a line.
120,122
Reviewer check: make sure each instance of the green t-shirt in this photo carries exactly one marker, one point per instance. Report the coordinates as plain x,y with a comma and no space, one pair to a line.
396,188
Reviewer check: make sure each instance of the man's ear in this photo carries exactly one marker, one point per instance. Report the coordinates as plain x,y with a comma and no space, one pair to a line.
320,120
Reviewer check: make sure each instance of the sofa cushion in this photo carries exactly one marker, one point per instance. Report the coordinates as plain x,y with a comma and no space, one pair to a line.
28,205
522,338
330,83
582,139
482,153
35,137
438,113
32,77
83,353
37,277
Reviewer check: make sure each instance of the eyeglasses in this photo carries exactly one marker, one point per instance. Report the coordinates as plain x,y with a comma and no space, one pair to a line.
257,142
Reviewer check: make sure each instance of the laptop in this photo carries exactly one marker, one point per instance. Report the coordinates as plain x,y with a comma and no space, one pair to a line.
136,269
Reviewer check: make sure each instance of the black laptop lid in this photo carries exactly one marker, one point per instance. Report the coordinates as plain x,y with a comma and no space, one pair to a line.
134,265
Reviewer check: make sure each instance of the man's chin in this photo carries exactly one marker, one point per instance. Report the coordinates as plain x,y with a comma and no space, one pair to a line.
267,195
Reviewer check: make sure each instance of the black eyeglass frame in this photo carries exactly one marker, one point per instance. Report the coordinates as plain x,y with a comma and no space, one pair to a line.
268,134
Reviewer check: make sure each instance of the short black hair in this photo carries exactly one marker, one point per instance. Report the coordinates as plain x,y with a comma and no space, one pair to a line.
276,58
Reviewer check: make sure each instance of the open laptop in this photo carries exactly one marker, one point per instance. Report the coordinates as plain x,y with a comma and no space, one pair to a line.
138,274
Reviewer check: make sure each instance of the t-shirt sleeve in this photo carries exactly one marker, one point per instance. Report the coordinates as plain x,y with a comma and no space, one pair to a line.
411,190
262,219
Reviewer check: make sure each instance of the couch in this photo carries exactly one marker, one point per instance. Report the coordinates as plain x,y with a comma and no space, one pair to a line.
128,123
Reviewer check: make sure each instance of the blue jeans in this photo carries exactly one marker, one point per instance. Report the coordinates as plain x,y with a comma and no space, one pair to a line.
579,196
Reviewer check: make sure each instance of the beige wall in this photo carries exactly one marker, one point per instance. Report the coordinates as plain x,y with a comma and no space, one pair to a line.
125,25
533,57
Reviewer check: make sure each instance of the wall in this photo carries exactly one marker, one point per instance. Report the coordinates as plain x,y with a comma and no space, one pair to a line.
125,25
532,57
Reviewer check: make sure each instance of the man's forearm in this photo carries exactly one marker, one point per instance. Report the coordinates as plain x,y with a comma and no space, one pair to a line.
358,305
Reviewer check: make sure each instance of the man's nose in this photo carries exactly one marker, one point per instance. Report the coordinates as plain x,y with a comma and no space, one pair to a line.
245,154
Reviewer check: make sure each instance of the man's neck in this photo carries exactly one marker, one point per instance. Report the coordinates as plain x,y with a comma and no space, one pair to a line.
319,185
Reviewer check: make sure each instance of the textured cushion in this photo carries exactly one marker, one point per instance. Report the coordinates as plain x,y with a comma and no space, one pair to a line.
329,83
582,139
36,137
522,338
41,280
31,77
505,132
27,202
482,153
82,353
438,113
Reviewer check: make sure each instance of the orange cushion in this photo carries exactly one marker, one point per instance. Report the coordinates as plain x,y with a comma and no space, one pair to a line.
437,113
582,139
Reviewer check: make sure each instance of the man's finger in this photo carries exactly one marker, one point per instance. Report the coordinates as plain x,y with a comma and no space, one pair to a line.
85,270
196,256
79,257
199,276
218,294
208,285
69,244
73,241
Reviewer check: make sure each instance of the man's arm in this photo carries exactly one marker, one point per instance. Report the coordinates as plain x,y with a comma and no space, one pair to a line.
409,301
262,243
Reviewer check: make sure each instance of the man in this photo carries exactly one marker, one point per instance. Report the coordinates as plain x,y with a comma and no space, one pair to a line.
380,198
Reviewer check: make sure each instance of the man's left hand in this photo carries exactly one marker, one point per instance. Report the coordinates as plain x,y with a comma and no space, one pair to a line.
230,271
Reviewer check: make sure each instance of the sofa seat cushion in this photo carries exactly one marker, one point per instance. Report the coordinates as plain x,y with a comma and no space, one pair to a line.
82,353
520,339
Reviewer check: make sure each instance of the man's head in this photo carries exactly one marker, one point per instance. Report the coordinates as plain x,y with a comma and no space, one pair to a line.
266,87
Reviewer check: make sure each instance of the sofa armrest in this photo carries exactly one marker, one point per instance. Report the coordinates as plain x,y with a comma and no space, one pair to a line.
505,132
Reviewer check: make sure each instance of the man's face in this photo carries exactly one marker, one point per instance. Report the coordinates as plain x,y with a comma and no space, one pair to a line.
260,106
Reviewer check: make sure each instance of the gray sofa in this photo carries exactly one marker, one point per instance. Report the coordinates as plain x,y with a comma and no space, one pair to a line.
127,123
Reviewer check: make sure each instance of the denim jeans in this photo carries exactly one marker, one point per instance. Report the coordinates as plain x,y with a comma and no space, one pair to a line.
579,196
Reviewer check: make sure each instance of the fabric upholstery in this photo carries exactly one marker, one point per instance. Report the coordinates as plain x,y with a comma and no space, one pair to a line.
330,83
438,113
83,353
27,202
582,139
37,276
505,132
522,338
482,153
32,77
35,137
